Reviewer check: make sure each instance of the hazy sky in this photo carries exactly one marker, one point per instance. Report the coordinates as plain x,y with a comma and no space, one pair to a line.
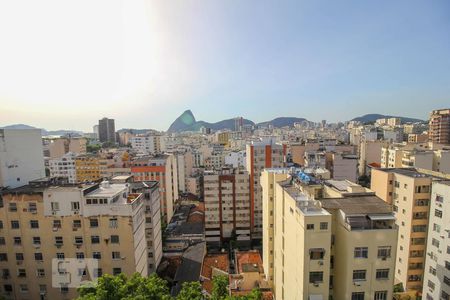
66,64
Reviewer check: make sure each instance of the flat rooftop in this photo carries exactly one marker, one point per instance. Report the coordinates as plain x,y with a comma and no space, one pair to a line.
358,205
410,172
108,190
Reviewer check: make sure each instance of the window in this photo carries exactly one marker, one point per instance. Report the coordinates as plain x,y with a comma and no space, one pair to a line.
431,284
54,206
36,240
382,274
38,257
95,239
315,277
358,296
93,223
98,272
56,223
361,252
380,295
42,288
2,240
414,278
114,239
438,213
447,280
113,223
310,226
79,255
3,257
8,288
34,224
1,224
23,288
75,205
432,271
78,240
60,255
96,255
117,271
76,224
115,255
435,242
32,207
15,224
323,225
21,273
17,241
40,272
59,240
444,295
12,206
19,256
419,228
316,253
64,289
359,275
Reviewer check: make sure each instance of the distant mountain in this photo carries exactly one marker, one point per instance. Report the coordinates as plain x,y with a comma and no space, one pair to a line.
282,122
44,132
373,117
187,122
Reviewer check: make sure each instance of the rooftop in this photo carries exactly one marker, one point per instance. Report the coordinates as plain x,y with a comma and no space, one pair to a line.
107,190
249,261
358,205
410,172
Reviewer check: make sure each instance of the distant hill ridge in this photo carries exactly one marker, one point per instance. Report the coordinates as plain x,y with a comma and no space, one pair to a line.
187,122
44,132
373,117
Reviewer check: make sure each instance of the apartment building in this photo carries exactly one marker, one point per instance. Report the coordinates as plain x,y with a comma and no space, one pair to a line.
437,262
326,240
439,126
369,153
261,155
153,234
88,168
409,192
56,148
227,206
48,220
21,156
146,144
344,166
107,130
160,168
64,167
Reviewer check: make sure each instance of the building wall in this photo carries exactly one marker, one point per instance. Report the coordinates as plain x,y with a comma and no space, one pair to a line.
437,270
21,156
411,210
87,168
131,245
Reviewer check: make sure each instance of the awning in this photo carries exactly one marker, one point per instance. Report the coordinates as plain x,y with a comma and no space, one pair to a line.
315,297
381,217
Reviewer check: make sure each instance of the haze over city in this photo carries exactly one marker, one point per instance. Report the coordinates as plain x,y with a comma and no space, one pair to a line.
145,62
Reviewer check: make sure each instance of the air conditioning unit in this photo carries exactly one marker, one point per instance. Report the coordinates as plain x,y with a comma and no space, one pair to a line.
384,258
320,262
54,212
316,284
357,283
34,212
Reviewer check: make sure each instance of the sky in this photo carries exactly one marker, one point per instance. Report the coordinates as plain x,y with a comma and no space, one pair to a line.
66,64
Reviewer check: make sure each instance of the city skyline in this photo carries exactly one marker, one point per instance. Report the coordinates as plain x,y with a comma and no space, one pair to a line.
221,60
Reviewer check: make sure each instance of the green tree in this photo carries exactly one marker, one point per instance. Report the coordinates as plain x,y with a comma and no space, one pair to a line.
119,287
191,291
220,288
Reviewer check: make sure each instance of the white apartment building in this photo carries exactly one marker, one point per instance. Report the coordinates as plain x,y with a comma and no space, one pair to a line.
64,167
326,241
437,261
148,144
21,157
